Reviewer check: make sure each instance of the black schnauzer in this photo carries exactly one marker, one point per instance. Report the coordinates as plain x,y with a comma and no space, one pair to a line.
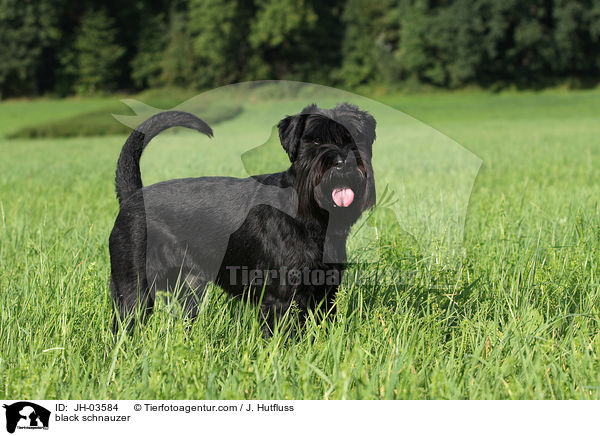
275,238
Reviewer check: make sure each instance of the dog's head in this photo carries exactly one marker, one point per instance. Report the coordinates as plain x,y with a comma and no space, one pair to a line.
330,151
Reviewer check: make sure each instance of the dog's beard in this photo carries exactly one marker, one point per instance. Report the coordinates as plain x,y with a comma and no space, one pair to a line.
342,196
335,195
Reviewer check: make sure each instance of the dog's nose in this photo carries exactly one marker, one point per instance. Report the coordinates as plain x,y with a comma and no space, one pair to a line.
339,162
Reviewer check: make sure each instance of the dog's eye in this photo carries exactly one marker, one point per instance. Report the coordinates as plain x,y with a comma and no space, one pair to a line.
316,141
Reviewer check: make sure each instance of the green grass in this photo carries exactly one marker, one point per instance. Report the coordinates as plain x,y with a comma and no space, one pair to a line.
516,315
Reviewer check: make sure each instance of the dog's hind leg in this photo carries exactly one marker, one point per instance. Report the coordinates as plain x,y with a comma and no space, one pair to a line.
136,302
131,305
131,294
189,292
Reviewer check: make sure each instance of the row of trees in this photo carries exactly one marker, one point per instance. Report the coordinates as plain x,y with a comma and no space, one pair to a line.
68,46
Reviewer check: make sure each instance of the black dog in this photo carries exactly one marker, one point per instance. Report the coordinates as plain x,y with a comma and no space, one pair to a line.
276,238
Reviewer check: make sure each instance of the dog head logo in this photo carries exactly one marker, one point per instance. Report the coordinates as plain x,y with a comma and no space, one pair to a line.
26,415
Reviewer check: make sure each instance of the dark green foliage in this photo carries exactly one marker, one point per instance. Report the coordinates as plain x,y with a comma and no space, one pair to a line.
370,41
295,39
27,32
218,31
177,64
461,42
65,47
146,67
577,36
95,53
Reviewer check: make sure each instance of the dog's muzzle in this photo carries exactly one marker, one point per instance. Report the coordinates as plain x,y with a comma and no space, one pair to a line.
345,172
344,184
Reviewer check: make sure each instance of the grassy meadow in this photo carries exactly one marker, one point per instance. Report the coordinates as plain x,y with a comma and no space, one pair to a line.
515,315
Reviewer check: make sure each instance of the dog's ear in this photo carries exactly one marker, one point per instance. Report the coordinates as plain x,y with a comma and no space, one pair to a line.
310,109
365,123
360,123
290,133
369,127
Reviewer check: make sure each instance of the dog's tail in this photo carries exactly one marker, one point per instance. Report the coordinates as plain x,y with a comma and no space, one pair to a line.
129,178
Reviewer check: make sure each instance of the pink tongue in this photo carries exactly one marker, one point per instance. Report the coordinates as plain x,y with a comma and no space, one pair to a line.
343,197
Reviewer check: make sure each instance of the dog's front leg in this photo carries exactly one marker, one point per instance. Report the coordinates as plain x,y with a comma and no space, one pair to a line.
288,308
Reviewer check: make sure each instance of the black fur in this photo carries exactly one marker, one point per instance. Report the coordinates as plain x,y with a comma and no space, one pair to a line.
185,233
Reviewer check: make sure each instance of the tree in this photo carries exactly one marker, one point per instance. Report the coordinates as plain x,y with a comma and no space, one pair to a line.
295,39
28,30
370,41
577,36
95,53
177,64
219,34
146,66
